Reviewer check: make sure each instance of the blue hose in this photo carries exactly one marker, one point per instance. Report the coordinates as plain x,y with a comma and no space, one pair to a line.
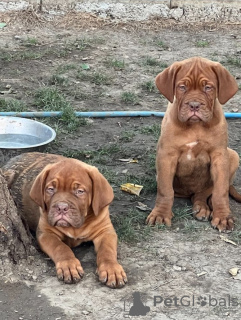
98,114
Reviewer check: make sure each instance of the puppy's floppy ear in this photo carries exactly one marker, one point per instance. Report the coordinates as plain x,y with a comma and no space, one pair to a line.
37,190
227,85
165,81
102,192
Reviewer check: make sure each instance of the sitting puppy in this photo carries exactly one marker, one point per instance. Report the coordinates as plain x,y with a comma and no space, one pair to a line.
66,202
193,159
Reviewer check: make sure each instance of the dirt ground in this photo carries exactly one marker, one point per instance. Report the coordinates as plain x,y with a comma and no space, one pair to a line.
181,272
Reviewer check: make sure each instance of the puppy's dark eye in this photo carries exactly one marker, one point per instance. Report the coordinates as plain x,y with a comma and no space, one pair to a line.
79,191
182,87
207,88
50,190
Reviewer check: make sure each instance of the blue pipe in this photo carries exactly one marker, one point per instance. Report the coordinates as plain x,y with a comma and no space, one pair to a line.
98,114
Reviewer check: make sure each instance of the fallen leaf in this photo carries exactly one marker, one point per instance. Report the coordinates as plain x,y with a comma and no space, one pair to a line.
130,160
131,188
133,161
125,160
228,240
143,207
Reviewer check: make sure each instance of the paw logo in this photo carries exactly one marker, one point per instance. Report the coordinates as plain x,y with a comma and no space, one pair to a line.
202,301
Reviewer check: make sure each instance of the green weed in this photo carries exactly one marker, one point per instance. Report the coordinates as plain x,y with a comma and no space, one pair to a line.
129,98
153,129
202,44
162,45
30,42
116,64
148,86
97,78
127,136
11,104
235,61
52,100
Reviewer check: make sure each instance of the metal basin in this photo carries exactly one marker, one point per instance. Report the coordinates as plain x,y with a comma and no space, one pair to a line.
21,133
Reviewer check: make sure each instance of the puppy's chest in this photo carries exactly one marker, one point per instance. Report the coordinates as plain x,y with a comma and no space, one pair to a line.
193,159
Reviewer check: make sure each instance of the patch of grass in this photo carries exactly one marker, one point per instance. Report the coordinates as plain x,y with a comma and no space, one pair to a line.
6,56
58,80
129,98
192,227
100,156
49,98
30,42
28,55
66,67
148,86
116,64
127,136
234,61
52,100
235,235
100,78
162,45
154,129
182,213
10,104
202,43
131,227
97,78
82,44
149,61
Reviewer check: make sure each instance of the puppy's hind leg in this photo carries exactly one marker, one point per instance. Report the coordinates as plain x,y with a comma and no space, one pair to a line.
201,209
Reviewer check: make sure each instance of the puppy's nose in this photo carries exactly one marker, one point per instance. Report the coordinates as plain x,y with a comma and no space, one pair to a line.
62,207
194,105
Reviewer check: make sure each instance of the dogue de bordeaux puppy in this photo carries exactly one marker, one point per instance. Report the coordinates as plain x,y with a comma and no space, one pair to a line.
193,159
67,202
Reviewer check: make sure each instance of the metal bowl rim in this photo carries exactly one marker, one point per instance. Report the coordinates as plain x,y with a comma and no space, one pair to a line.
30,120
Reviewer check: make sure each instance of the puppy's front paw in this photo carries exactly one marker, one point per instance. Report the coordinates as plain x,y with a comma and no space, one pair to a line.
223,224
69,271
157,217
201,211
112,274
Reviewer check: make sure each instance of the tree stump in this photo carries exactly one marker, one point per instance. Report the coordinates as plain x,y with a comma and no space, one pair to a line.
15,240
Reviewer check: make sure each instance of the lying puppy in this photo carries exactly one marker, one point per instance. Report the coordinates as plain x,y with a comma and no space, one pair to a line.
193,159
67,202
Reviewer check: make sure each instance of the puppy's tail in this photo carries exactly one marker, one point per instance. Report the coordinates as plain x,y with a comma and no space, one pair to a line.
234,193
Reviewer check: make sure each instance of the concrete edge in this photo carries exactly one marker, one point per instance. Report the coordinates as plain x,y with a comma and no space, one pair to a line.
180,10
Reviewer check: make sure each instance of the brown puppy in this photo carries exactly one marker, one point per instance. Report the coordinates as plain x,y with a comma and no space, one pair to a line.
193,159
67,202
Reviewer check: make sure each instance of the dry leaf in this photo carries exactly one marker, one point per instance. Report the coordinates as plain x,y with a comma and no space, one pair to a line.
143,207
125,160
228,240
131,188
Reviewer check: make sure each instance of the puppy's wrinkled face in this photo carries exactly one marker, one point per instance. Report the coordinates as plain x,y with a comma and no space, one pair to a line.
196,91
67,195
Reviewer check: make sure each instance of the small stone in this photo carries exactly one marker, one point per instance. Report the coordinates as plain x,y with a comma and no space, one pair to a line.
177,268
85,312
